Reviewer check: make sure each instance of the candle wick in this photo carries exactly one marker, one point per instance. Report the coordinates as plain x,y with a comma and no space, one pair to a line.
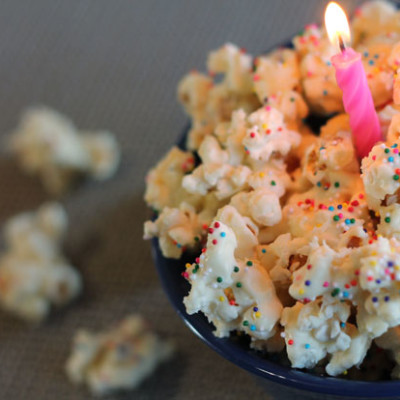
341,44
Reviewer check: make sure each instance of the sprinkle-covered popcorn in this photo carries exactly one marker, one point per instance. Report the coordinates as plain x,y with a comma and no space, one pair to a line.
378,70
48,144
177,229
34,275
268,135
209,103
318,328
374,18
234,293
300,237
119,359
164,181
276,73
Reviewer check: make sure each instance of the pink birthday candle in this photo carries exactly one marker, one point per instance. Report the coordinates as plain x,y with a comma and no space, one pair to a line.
351,78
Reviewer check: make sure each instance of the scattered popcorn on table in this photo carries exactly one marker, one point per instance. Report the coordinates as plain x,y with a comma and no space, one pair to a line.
297,240
118,359
47,144
34,275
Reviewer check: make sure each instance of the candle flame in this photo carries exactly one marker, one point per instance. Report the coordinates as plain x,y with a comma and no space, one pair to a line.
336,24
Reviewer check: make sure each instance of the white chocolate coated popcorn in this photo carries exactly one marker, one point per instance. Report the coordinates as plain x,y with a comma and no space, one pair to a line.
381,181
176,228
215,173
210,103
234,293
268,135
261,205
236,66
34,275
319,328
278,72
374,18
299,216
119,359
163,182
379,73
48,144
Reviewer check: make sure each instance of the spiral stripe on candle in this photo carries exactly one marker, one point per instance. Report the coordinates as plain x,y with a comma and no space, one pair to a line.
358,103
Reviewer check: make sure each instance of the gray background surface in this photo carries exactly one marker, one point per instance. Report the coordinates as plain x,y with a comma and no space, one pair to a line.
115,65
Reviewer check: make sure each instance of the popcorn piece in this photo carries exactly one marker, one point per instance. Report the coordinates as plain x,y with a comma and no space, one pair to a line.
396,88
319,82
244,229
231,134
215,174
291,104
119,359
261,205
210,103
341,361
177,229
374,18
386,114
236,66
193,91
311,40
33,273
336,154
234,293
163,182
294,221
276,73
268,135
48,144
380,175
393,134
379,312
319,328
379,73
391,341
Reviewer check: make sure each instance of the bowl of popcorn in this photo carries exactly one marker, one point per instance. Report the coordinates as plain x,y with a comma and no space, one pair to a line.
274,240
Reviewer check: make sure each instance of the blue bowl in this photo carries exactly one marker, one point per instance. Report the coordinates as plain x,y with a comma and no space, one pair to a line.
277,378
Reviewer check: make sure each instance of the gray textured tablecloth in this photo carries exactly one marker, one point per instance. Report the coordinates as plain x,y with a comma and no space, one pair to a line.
115,64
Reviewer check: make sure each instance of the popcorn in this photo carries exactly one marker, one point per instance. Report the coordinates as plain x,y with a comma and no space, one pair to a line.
319,82
209,103
291,104
163,182
379,73
391,341
234,293
261,205
302,249
48,144
236,66
268,135
379,174
278,72
311,40
177,229
231,135
325,156
193,91
215,173
374,18
319,328
33,273
119,359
